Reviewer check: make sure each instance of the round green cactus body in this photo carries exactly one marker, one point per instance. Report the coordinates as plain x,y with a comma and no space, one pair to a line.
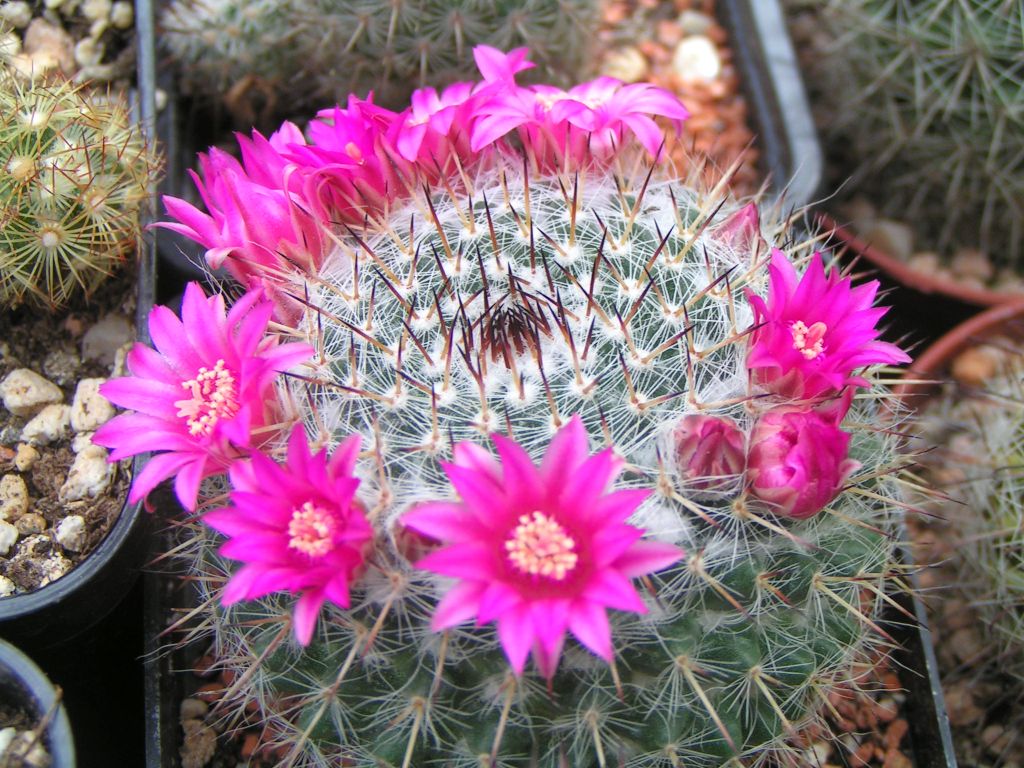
74,172
311,51
511,308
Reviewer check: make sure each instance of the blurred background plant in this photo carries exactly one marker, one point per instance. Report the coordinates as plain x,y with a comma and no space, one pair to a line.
921,108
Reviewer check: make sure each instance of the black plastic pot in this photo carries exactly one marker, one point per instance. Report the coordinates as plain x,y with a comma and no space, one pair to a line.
23,685
71,605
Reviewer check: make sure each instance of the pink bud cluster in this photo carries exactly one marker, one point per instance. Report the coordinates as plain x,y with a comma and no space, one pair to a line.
810,337
272,214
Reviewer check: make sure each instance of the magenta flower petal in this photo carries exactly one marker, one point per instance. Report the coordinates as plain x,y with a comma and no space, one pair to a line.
647,557
307,608
548,550
515,630
589,622
457,606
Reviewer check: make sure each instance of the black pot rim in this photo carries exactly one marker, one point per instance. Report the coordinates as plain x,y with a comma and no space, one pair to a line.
42,697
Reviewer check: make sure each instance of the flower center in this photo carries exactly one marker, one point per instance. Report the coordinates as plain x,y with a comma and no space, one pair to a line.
539,546
311,530
809,341
214,397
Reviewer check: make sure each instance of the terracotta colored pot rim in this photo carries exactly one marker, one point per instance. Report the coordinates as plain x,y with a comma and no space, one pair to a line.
920,378
913,278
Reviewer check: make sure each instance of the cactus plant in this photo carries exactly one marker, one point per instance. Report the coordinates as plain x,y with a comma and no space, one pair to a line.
509,309
301,52
75,172
983,437
520,274
920,100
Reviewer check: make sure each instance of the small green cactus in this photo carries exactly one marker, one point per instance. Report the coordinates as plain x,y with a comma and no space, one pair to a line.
922,102
74,172
511,308
301,52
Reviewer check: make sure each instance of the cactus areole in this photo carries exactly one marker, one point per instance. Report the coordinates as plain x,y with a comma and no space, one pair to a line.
494,529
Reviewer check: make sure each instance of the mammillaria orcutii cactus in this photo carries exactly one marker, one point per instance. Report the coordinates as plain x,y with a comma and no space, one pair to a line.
575,473
74,173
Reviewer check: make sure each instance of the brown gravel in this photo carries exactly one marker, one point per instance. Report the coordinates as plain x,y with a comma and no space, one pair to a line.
639,39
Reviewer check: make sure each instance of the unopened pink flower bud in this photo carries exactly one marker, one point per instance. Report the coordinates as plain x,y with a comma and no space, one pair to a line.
798,460
742,229
709,451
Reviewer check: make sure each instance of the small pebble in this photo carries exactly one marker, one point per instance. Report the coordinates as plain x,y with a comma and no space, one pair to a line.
627,64
88,52
89,476
961,706
924,261
53,567
8,535
892,237
25,392
976,365
50,424
697,58
18,14
96,10
102,340
71,533
971,262
6,590
996,739
966,643
198,745
25,457
694,22
10,45
14,499
81,441
49,44
122,15
193,709
28,750
61,366
89,409
30,523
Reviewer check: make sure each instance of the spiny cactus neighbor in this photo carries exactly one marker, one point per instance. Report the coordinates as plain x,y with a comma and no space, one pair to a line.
296,53
983,438
509,309
74,172
923,100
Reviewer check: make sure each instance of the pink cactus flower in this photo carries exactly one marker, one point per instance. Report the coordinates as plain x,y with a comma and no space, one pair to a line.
798,459
254,231
591,121
710,451
812,333
297,528
200,395
350,164
605,108
542,550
